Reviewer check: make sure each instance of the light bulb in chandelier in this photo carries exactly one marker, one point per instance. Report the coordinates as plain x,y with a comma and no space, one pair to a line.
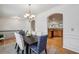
26,15
32,16
29,14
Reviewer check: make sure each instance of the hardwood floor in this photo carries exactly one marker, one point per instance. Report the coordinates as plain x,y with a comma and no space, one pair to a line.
7,41
57,42
54,44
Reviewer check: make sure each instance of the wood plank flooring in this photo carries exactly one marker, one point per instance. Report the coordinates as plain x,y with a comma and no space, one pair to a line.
52,43
57,42
7,41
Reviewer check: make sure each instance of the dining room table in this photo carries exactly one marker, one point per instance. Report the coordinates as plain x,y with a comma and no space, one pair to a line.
29,40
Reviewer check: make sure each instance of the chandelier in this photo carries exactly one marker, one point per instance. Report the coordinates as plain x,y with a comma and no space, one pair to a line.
29,14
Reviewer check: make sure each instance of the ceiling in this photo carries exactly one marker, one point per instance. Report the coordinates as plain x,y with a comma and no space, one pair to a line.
9,10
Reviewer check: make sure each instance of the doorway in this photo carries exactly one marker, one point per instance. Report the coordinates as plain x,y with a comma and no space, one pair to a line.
55,30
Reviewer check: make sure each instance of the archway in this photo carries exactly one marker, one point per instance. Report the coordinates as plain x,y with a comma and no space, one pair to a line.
55,29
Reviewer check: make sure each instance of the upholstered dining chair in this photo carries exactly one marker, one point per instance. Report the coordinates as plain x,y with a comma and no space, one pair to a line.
40,46
20,42
21,32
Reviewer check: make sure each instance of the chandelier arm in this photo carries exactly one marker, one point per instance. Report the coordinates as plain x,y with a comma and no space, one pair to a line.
29,14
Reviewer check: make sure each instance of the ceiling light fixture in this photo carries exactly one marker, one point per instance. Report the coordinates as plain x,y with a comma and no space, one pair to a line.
29,14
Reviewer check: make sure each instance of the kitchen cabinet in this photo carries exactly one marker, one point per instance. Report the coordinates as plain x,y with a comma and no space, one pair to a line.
55,32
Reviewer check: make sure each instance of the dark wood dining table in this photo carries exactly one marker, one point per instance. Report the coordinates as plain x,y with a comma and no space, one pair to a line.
28,41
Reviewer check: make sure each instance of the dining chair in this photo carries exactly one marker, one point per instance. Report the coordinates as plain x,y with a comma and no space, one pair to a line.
21,32
40,46
20,42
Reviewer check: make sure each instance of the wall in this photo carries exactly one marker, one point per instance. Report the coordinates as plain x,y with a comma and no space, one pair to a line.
71,27
70,24
12,24
41,20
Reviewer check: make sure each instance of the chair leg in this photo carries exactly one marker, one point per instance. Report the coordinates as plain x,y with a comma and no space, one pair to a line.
22,51
15,45
18,50
30,51
27,48
45,50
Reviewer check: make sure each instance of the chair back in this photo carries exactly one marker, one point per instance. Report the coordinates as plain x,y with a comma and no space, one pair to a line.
19,40
21,32
42,42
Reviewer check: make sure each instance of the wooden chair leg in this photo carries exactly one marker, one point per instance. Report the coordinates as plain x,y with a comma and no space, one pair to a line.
45,50
18,50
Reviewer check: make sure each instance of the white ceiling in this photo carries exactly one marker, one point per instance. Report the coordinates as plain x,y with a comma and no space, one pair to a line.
9,10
